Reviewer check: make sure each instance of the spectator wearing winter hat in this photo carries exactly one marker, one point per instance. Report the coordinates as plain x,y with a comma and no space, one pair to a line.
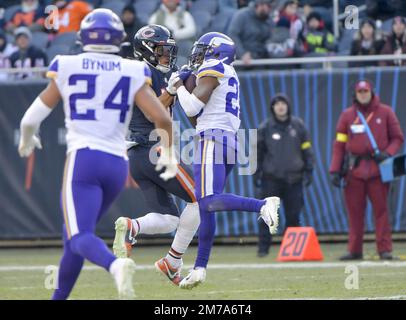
315,38
366,42
285,164
27,55
396,42
288,17
131,25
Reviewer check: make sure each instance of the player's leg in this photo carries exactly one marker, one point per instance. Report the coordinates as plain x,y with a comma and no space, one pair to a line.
69,270
87,174
378,195
355,194
181,186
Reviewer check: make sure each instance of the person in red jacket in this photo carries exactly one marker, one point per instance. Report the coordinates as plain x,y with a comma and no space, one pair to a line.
355,165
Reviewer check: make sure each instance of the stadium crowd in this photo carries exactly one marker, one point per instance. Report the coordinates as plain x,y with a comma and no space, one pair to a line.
31,34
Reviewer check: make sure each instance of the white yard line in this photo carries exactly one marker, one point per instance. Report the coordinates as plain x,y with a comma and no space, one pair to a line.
286,265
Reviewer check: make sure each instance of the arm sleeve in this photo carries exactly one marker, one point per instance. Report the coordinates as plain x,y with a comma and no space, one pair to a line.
339,145
395,133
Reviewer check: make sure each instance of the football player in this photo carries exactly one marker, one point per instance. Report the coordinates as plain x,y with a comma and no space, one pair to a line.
98,89
155,45
215,101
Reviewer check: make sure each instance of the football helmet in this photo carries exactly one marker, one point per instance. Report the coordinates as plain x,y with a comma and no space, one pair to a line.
154,42
101,31
212,45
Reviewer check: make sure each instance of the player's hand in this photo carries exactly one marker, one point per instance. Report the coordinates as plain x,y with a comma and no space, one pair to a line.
168,160
184,73
26,148
171,88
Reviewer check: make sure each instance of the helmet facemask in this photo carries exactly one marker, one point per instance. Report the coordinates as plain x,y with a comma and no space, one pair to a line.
158,52
196,58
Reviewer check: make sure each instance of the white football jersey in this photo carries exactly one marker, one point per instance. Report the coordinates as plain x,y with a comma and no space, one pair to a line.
98,92
222,111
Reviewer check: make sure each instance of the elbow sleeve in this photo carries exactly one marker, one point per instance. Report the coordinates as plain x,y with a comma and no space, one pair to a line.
189,102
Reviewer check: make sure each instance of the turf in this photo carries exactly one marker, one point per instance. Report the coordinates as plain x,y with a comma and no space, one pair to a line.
312,282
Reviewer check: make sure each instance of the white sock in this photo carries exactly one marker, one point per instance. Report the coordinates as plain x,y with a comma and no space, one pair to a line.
156,223
189,222
174,258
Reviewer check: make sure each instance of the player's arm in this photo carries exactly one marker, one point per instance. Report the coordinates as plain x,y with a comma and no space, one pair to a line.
150,105
166,99
193,103
33,117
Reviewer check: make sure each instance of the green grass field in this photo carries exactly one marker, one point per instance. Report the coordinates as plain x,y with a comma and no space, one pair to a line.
235,273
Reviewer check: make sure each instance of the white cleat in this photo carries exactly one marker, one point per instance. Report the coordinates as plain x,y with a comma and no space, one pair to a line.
124,278
270,213
193,279
124,238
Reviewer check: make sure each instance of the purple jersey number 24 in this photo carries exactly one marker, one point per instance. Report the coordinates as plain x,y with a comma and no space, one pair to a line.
123,86
232,82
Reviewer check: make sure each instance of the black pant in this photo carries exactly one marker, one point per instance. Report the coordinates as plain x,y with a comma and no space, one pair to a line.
292,200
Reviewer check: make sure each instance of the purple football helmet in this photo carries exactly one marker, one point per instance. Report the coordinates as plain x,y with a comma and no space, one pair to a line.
101,31
212,45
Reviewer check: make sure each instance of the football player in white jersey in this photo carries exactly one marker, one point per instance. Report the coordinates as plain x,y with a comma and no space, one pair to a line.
215,102
98,89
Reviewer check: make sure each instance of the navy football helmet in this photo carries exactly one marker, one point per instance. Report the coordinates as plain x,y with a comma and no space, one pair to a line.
154,42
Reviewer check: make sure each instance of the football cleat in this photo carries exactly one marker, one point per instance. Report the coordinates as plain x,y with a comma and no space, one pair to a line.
124,238
173,274
193,279
124,279
270,213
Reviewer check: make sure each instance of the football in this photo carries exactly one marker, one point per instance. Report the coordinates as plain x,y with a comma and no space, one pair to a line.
190,83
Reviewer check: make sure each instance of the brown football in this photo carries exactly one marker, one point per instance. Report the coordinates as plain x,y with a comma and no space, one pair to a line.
190,83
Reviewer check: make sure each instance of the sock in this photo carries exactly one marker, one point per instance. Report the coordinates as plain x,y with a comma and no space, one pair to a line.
93,249
230,202
207,230
174,258
69,270
188,224
156,223
136,227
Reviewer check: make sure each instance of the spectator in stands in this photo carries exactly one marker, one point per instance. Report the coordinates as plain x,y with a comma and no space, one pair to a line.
288,15
285,164
30,14
366,42
385,9
71,14
176,19
131,26
250,28
323,7
232,4
27,55
6,49
316,39
396,42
